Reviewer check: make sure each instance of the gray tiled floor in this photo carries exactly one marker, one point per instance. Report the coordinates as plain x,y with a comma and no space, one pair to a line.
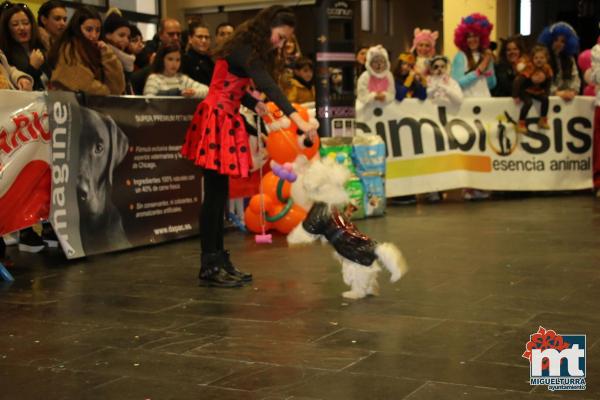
483,277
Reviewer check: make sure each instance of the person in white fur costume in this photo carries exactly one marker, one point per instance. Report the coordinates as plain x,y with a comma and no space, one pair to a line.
376,84
441,88
361,257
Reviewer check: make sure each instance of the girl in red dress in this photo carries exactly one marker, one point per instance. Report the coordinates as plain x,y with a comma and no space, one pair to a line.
217,140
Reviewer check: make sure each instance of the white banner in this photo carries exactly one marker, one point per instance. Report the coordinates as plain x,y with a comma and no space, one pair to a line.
431,148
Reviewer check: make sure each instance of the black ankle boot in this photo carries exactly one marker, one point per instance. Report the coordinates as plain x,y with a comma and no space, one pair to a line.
212,273
232,270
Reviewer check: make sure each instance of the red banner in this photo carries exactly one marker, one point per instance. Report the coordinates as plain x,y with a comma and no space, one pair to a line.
24,160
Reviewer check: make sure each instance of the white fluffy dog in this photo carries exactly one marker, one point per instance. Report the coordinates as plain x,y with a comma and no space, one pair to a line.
361,257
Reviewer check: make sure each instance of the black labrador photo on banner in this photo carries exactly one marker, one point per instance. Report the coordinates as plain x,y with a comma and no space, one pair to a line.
102,147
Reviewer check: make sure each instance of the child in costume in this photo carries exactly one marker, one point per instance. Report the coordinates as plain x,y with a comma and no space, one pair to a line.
441,88
409,83
533,83
473,65
336,82
376,84
423,48
217,140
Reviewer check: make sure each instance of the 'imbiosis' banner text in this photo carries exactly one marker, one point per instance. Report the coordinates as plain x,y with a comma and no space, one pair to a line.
431,148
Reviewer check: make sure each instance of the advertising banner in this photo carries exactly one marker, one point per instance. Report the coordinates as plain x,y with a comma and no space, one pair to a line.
433,148
24,160
118,180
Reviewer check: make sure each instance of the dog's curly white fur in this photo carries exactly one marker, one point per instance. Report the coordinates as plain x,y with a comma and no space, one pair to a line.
323,182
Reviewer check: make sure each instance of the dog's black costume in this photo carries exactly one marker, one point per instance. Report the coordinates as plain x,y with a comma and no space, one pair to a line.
347,240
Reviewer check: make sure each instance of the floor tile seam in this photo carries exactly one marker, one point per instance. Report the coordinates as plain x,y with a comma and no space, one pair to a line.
476,386
438,324
301,345
81,356
208,337
103,384
449,382
407,397
300,313
247,392
259,371
240,336
371,352
280,389
409,353
596,321
485,350
391,332
368,374
280,341
59,370
499,324
227,318
223,302
407,316
14,302
252,362
467,320
234,303
169,308
478,302
220,358
116,324
328,334
236,361
310,347
64,324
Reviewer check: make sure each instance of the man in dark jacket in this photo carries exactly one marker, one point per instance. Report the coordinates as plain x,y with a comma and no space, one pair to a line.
197,63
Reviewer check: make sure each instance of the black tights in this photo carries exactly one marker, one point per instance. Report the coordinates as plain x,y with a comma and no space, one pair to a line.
212,214
528,102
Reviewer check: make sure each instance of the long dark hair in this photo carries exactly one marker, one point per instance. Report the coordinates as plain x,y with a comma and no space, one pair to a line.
15,52
158,66
471,64
517,40
566,56
73,36
257,33
46,8
566,63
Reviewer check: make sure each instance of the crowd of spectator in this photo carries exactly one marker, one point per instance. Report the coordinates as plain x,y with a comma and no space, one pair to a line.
525,73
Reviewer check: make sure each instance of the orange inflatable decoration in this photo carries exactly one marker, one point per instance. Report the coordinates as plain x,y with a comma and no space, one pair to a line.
283,144
278,211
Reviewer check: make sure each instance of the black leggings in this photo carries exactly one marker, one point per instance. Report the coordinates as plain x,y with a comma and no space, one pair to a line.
212,214
527,99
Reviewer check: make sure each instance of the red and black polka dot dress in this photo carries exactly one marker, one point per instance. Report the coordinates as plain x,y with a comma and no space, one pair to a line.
216,138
